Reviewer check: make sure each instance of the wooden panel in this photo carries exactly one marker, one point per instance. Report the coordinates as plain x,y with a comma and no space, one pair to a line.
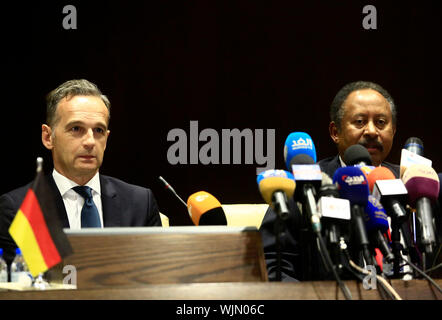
139,259
315,290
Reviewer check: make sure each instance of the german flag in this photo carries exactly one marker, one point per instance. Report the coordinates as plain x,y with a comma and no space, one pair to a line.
36,229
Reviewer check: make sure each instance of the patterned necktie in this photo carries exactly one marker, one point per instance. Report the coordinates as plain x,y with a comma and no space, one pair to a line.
89,214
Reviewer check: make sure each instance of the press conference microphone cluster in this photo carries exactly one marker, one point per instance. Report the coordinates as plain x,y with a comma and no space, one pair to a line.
300,159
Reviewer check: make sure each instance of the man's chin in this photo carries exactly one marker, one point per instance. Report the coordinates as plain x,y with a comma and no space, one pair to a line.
86,169
375,158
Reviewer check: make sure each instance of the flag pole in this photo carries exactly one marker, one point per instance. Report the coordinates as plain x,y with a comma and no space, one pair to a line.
39,164
40,282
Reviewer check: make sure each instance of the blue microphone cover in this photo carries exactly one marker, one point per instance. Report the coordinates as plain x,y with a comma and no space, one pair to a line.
352,185
298,143
375,216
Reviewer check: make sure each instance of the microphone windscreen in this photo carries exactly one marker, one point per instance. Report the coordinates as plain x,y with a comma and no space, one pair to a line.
298,143
352,185
421,181
414,145
375,216
205,209
272,180
356,154
379,173
301,159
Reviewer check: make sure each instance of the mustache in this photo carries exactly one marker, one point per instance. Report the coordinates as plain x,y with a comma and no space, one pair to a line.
371,144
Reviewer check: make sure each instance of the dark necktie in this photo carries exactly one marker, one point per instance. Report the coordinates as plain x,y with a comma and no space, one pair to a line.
89,214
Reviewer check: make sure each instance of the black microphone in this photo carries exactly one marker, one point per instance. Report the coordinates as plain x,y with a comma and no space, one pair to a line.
335,216
308,179
169,187
335,212
357,155
415,145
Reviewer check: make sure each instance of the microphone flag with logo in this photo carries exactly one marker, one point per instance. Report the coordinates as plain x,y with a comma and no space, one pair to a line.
298,143
36,228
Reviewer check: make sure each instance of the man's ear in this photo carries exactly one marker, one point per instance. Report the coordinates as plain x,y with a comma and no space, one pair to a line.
333,130
46,136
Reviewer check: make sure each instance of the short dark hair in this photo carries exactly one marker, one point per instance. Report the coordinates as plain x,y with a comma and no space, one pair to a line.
337,111
71,89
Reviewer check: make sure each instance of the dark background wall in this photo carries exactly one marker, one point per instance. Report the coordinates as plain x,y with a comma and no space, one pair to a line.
227,64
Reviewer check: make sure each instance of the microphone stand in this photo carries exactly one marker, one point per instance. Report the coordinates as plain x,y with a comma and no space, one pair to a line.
279,200
396,247
278,230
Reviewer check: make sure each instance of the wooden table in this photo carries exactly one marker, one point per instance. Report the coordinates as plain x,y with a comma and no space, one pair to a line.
315,290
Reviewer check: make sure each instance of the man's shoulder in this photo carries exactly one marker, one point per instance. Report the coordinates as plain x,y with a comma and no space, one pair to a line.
396,169
329,165
17,194
119,184
328,160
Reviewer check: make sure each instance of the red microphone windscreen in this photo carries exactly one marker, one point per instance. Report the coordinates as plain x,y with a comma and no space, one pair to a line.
379,173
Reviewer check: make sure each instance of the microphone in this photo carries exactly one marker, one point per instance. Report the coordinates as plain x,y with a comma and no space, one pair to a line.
413,153
423,186
276,187
357,155
205,209
300,158
353,185
379,173
376,223
169,187
335,212
298,143
414,145
335,215
390,191
392,194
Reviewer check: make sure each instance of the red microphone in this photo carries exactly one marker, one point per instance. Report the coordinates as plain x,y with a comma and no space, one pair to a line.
379,173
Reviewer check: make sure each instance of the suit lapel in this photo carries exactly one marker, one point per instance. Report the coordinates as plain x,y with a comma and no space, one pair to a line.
59,204
332,166
110,203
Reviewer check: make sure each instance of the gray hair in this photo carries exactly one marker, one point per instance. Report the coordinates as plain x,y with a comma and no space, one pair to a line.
68,90
337,110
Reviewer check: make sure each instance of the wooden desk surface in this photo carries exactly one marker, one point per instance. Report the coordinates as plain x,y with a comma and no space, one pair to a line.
315,290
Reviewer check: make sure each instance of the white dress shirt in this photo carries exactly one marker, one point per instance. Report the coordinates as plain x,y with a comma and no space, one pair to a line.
73,202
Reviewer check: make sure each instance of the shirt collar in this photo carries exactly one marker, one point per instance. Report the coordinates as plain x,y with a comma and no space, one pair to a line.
342,162
64,184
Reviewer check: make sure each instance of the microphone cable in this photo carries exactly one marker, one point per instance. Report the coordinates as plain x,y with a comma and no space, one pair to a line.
328,262
385,285
381,279
423,274
436,256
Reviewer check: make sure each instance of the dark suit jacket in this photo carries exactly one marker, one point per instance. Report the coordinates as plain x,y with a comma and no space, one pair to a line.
123,204
294,263
329,166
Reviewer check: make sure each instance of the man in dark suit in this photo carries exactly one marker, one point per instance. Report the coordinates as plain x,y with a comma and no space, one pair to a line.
76,133
361,113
